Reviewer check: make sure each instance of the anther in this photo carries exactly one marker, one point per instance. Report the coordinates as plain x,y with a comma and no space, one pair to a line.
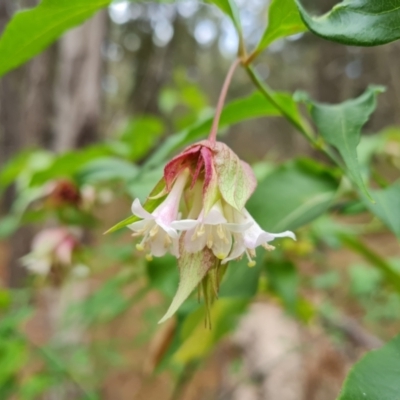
140,247
268,247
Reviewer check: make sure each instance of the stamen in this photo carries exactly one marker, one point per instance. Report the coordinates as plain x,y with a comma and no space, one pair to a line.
149,257
199,231
210,241
250,253
154,231
221,256
220,232
268,247
140,247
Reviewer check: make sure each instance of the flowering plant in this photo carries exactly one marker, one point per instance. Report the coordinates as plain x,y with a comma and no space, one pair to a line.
197,213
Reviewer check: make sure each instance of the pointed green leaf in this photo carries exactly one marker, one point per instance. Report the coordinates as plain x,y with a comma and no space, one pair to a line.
283,20
357,22
31,31
236,180
230,8
376,376
340,125
387,207
150,205
192,269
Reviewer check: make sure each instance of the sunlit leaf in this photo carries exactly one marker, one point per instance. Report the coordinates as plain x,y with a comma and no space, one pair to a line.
340,125
283,20
31,31
376,376
357,22
230,8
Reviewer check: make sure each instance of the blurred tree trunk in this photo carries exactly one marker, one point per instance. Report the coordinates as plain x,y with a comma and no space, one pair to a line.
68,76
78,85
25,110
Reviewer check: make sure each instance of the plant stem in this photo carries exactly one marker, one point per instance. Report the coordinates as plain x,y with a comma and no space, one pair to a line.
214,129
304,130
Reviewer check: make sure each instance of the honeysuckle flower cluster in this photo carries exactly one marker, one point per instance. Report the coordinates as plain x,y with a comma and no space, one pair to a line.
53,247
197,213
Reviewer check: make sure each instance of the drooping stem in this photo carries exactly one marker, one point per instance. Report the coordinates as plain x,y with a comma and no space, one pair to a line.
214,129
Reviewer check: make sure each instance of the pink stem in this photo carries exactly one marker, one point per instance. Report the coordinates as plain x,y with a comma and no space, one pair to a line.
214,129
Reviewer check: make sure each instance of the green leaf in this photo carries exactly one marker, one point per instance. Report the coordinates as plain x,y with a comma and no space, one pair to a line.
240,280
376,376
192,269
107,168
252,106
230,8
31,31
162,275
357,22
387,207
283,279
66,165
340,125
201,341
150,205
141,134
390,273
283,20
293,195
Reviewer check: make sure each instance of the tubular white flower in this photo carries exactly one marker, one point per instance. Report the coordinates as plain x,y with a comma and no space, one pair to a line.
251,238
159,235
213,230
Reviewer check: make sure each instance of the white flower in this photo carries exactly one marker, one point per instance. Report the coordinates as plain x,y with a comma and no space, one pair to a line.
251,238
50,247
157,228
213,230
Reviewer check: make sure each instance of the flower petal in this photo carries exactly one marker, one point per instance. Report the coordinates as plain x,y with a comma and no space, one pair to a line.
221,246
284,234
239,228
193,244
184,224
238,249
168,229
139,211
215,216
158,246
139,225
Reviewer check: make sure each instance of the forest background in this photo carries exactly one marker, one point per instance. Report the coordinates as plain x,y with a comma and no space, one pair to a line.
87,125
